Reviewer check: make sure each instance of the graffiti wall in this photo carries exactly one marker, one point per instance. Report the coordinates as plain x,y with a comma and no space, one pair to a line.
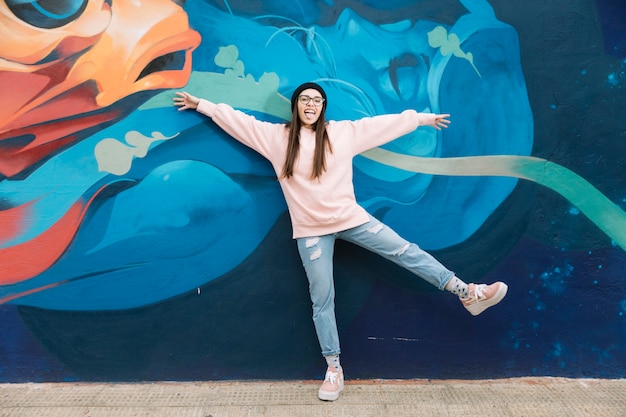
138,242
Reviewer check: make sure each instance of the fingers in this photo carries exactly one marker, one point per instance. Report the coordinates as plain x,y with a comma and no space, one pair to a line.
441,121
186,101
181,99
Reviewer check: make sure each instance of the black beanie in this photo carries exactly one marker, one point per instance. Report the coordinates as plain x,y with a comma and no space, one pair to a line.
303,87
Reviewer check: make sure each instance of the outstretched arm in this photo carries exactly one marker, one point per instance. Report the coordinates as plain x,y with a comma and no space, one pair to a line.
258,135
186,101
377,130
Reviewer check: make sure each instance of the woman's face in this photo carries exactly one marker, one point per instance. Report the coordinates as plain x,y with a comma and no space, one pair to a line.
310,107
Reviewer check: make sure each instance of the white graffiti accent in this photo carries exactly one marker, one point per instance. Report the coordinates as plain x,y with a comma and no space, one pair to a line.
449,44
116,157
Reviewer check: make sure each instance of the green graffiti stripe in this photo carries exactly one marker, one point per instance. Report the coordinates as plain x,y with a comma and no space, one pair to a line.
605,214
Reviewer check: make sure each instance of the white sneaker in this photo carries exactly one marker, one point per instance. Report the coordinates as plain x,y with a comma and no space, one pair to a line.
332,385
482,296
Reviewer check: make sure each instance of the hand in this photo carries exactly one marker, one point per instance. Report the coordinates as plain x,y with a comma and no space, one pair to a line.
441,120
185,101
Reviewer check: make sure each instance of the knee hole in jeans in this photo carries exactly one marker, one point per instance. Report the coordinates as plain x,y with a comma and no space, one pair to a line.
312,241
316,254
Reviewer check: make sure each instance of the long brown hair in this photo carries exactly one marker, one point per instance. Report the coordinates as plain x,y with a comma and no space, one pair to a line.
322,142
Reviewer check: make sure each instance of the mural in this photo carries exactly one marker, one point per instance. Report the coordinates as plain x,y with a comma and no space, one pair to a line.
139,243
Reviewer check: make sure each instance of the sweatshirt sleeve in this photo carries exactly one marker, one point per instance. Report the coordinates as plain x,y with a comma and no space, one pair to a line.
256,134
371,132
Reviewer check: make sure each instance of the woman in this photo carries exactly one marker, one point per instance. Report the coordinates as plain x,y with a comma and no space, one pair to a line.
313,161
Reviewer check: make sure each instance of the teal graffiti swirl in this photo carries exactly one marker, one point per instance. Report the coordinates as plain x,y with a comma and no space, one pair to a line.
605,214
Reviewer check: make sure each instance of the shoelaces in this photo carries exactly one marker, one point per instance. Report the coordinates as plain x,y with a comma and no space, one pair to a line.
479,291
332,377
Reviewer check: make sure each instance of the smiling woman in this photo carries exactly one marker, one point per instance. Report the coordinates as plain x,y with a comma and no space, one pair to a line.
313,162
310,105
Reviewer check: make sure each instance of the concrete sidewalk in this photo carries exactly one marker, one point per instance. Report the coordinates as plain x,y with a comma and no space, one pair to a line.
519,397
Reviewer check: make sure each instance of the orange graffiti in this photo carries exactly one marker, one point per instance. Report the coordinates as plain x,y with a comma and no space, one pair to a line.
28,259
60,83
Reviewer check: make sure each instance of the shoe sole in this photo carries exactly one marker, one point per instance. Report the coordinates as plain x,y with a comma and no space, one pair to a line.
477,308
330,396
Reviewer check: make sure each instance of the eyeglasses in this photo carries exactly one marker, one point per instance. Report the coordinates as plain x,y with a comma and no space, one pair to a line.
317,101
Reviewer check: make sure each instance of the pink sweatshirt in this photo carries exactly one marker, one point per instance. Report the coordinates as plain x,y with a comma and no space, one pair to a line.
325,205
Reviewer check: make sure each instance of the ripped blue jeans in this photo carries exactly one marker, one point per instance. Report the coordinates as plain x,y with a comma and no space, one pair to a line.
317,258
